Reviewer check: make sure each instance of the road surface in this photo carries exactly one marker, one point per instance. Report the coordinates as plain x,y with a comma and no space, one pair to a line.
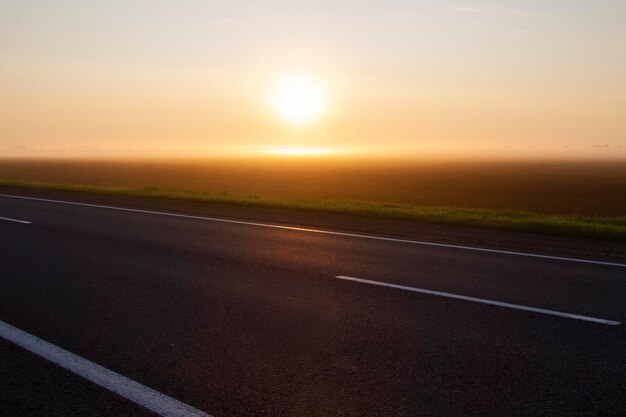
248,317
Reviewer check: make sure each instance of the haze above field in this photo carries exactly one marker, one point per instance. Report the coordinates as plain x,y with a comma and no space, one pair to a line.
529,78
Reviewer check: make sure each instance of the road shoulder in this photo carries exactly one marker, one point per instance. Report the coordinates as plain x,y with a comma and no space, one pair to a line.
405,229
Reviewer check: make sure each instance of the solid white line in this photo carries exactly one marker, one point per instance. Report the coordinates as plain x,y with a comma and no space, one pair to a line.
481,300
15,220
326,232
146,397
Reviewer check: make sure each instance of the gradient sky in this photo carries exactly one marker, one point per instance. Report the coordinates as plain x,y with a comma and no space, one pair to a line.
133,78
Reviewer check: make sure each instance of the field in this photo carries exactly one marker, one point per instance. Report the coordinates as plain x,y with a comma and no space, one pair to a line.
581,188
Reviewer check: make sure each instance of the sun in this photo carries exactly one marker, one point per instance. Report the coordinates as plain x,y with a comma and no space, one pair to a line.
299,100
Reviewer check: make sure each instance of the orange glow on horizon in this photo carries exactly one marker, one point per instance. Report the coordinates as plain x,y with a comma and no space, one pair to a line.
300,151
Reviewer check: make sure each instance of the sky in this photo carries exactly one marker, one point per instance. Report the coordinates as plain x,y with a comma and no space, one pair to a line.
197,77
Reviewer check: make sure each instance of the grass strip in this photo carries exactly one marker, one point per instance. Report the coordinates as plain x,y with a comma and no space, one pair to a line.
606,228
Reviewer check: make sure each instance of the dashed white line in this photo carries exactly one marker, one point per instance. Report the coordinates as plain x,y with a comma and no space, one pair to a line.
326,232
15,220
481,300
146,397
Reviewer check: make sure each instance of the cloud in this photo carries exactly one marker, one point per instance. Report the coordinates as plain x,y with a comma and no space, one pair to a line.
494,10
462,9
46,24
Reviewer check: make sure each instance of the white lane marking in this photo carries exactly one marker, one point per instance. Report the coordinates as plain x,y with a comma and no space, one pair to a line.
481,300
15,220
326,232
146,397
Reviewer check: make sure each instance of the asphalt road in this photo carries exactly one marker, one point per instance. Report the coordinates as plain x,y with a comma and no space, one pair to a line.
238,319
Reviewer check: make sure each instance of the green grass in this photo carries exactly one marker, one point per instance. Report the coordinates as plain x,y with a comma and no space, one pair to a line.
608,228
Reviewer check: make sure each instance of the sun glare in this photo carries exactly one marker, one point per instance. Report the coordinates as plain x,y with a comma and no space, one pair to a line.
299,151
299,100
